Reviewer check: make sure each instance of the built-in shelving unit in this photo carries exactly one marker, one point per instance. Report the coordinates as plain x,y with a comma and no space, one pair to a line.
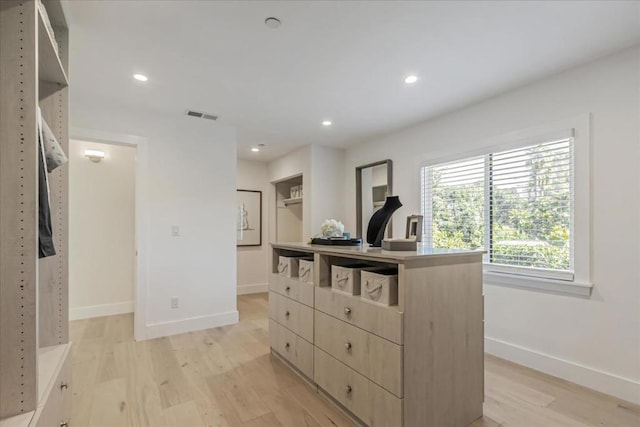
292,201
289,210
34,352
50,67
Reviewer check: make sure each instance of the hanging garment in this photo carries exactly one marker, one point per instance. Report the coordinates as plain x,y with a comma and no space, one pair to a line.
54,156
45,233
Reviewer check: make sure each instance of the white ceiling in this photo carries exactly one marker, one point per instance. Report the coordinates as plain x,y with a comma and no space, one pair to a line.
338,60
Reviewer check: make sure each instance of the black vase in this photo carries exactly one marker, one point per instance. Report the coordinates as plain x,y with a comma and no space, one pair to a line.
380,219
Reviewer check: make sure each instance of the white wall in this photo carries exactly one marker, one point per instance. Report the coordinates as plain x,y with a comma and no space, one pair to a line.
323,180
327,186
592,341
252,260
294,163
190,182
101,230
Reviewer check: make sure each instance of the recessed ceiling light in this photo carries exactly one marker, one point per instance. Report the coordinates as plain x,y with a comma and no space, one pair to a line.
255,149
140,77
272,22
411,79
326,123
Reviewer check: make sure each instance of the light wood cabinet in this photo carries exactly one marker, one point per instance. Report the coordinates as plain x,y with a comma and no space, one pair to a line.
418,363
366,400
378,359
34,341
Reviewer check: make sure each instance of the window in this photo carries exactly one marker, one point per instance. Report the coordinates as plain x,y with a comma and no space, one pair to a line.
515,204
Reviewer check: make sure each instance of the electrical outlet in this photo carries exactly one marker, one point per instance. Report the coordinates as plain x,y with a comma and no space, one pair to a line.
174,302
175,231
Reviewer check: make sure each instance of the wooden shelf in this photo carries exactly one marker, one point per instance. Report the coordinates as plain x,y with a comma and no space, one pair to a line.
50,67
295,201
21,420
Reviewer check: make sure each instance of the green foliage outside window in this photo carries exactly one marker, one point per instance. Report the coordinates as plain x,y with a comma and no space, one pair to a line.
530,219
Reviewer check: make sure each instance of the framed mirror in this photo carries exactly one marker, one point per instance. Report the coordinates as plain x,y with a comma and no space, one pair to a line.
373,185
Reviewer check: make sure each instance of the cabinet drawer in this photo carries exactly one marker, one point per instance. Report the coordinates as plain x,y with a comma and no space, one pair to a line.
273,335
55,408
274,299
50,414
304,356
292,288
64,385
368,401
284,285
297,350
295,316
376,358
305,293
385,322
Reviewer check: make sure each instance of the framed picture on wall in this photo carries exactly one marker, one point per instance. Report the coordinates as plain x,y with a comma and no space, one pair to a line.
249,223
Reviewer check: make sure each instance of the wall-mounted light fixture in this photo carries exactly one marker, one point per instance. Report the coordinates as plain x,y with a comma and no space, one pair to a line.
94,155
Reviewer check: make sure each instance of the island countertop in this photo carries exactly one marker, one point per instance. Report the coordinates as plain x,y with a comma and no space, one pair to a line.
379,254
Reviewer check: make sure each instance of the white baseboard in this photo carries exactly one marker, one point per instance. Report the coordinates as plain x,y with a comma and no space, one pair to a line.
604,382
89,311
164,329
255,288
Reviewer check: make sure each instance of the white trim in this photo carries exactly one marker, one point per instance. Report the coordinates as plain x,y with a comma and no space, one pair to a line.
518,271
564,287
90,311
604,382
174,327
580,127
255,288
141,288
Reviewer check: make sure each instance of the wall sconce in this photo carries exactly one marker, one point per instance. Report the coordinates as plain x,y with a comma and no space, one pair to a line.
94,155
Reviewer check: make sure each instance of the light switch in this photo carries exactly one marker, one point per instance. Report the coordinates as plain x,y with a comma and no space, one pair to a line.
175,231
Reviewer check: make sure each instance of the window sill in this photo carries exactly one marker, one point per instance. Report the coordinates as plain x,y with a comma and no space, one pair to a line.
580,289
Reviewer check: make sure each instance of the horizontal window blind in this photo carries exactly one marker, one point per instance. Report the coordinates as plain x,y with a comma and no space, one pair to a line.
516,204
531,192
454,218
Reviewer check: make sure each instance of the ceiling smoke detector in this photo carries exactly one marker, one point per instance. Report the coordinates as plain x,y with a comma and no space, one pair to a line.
272,22
201,115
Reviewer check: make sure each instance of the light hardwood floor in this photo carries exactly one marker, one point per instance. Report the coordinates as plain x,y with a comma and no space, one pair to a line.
226,377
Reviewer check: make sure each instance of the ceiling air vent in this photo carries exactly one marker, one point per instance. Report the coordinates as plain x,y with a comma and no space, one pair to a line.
201,115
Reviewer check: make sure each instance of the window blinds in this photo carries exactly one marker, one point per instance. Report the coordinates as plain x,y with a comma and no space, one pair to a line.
516,204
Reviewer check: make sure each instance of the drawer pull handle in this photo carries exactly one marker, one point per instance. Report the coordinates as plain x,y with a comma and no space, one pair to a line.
286,346
347,311
304,272
347,389
341,280
64,386
374,291
287,289
287,314
64,423
347,345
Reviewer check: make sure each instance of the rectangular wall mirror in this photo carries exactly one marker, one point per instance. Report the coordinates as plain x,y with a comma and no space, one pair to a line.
373,185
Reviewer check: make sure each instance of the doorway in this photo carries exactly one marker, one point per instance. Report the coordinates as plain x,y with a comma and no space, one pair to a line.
102,229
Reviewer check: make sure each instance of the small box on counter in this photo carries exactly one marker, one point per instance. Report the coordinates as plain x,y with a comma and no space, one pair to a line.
380,286
305,270
346,278
288,265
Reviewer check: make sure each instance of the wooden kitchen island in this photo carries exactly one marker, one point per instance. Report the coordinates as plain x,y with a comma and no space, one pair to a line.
417,363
